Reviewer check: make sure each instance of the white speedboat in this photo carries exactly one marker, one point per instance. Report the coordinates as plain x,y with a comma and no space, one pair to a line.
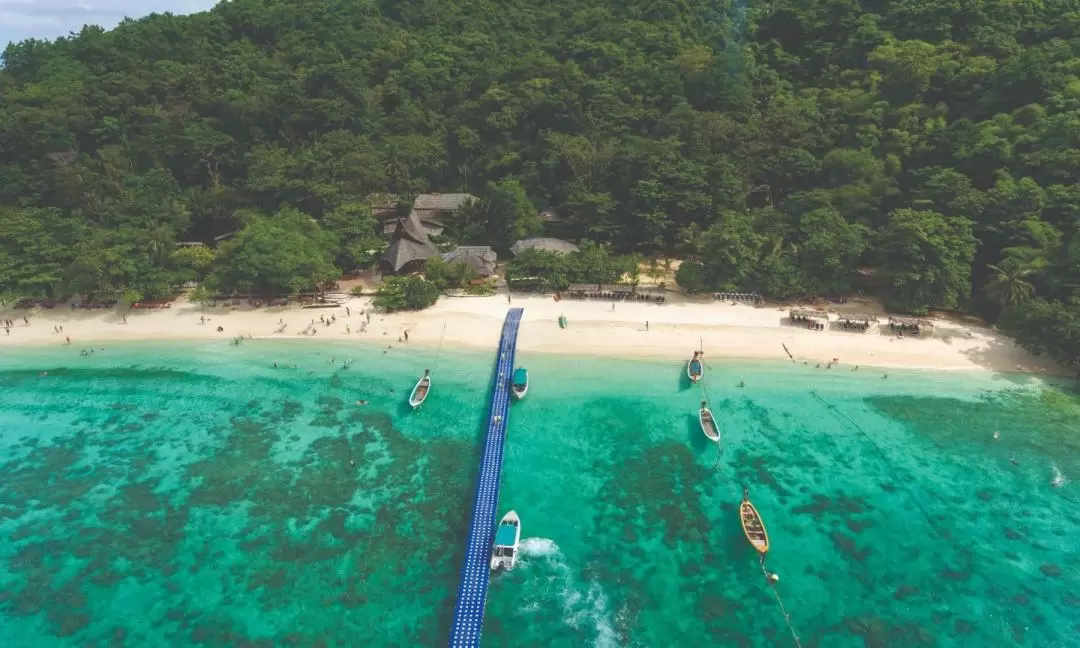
507,538
520,383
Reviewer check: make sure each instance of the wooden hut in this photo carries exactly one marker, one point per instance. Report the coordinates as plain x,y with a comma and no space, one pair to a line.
815,320
481,258
857,322
747,297
619,291
409,248
911,326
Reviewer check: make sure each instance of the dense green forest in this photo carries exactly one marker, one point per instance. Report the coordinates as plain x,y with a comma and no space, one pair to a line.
781,144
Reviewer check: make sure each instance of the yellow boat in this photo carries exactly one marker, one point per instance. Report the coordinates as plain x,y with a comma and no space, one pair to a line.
752,526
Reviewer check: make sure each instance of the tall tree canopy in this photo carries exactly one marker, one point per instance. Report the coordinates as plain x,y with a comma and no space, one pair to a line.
783,145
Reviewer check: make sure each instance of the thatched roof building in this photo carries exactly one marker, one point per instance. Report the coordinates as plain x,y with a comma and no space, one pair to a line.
440,203
543,243
409,247
430,210
481,258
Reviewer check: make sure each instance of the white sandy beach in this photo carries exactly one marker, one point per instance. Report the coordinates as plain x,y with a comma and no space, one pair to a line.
595,328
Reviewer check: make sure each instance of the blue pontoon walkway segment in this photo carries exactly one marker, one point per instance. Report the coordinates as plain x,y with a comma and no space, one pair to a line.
472,592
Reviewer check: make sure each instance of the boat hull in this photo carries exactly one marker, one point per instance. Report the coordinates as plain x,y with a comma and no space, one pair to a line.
504,553
420,392
753,527
520,385
694,370
708,424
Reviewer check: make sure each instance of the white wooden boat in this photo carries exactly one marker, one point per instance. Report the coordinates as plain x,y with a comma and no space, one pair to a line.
708,423
507,538
421,390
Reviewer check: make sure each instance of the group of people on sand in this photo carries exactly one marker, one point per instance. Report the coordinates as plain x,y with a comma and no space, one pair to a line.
836,361
10,324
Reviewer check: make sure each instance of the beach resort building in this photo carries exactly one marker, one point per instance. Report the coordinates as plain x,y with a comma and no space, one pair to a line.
410,247
811,318
430,210
481,258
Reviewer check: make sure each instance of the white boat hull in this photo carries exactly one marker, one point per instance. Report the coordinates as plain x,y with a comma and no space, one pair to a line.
420,392
708,424
504,556
520,391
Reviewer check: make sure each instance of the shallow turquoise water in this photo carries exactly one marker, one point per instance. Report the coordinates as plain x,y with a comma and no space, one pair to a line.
191,494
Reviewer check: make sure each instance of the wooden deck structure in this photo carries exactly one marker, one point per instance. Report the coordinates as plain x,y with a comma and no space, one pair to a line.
857,322
752,298
911,326
612,292
815,320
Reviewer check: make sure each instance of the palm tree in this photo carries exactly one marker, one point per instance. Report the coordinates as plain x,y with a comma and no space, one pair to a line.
654,269
776,246
1008,286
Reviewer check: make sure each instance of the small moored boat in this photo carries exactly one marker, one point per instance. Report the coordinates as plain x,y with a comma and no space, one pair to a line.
695,369
420,391
752,526
520,383
507,538
708,423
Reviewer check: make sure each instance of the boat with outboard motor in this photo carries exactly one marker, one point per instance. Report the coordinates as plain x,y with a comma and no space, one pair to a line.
507,538
520,383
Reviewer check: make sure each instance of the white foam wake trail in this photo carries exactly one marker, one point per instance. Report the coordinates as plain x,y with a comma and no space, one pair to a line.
1059,479
538,547
587,608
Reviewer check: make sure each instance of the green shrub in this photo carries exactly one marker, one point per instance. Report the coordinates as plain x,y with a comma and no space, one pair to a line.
405,293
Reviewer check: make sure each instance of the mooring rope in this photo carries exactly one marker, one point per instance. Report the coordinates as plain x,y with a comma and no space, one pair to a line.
835,411
780,602
708,399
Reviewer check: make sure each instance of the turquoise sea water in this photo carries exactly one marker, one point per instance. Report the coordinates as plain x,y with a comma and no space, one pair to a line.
190,494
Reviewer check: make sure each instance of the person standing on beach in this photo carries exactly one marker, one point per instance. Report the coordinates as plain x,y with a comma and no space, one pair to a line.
406,335
646,325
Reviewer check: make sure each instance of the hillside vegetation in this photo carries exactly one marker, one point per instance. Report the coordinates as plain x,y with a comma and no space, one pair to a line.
782,144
